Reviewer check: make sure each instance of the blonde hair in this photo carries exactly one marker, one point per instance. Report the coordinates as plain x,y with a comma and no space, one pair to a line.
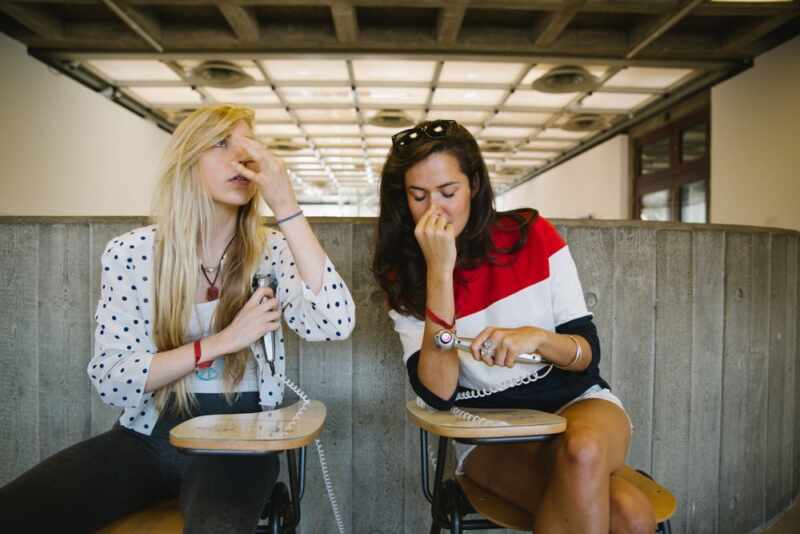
183,212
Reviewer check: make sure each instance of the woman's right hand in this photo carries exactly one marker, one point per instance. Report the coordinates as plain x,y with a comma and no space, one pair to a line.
436,238
260,314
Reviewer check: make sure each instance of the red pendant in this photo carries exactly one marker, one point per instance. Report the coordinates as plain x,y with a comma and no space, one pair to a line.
212,293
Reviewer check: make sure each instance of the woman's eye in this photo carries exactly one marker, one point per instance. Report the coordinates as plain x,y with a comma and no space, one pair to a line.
448,195
418,199
222,143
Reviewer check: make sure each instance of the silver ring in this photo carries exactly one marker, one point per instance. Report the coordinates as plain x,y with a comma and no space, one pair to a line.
487,348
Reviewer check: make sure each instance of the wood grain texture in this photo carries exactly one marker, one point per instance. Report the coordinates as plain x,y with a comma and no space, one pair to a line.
378,384
698,329
673,367
708,284
744,384
63,279
634,335
19,349
326,374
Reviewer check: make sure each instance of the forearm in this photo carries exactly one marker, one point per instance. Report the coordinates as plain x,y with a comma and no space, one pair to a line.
560,350
171,365
306,250
438,369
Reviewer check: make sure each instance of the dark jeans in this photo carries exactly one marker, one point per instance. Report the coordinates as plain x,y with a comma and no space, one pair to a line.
96,481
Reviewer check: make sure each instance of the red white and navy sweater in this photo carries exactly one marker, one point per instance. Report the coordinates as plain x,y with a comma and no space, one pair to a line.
536,286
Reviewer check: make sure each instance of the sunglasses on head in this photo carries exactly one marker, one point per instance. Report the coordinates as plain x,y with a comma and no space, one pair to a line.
434,130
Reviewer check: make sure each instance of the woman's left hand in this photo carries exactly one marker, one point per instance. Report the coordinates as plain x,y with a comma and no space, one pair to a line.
269,173
507,343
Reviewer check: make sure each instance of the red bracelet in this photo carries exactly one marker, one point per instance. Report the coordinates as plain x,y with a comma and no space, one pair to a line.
197,355
438,320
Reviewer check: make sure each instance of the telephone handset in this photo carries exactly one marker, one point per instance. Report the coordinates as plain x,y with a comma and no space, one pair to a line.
448,339
267,345
268,341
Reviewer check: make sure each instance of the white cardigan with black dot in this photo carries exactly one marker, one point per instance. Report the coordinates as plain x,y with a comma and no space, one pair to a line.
124,344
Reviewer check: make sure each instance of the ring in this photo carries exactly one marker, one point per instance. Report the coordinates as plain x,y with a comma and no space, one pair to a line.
487,348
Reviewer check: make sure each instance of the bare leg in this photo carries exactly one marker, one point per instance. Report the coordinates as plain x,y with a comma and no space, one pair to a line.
565,483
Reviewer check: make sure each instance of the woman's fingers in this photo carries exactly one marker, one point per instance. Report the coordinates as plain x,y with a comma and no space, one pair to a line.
475,348
258,296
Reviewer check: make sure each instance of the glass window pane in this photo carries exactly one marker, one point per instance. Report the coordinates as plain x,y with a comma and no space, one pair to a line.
694,142
655,157
655,206
693,202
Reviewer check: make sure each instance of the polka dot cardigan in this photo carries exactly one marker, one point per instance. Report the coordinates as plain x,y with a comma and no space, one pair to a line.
124,344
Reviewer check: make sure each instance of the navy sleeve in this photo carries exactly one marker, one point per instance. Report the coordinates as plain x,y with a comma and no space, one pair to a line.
430,398
584,327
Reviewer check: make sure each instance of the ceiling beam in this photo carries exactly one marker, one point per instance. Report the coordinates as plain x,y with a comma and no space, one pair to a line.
751,33
642,36
525,56
242,21
550,27
708,80
345,21
141,23
449,21
35,19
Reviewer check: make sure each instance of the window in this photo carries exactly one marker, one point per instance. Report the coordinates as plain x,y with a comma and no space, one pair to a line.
671,171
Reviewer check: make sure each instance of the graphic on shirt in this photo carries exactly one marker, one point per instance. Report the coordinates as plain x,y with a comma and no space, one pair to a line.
207,373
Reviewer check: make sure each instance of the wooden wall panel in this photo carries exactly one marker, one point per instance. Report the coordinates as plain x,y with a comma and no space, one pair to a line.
698,328
708,284
673,366
634,335
66,327
19,349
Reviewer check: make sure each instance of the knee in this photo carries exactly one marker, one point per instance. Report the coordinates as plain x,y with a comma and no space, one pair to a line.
631,514
584,449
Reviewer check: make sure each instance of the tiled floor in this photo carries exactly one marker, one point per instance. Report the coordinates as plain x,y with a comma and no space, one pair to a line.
789,523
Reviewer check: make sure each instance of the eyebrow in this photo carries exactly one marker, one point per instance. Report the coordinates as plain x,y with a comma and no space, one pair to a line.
438,187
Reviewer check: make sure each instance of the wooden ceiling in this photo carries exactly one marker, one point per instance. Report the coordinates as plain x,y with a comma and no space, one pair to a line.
647,29
712,40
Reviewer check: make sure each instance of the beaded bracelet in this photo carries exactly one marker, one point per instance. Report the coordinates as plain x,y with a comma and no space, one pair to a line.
289,217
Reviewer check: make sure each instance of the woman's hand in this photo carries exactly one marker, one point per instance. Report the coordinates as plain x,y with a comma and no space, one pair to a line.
259,315
269,173
437,240
507,343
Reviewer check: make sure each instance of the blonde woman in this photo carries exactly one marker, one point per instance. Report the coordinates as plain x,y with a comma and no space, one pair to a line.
175,322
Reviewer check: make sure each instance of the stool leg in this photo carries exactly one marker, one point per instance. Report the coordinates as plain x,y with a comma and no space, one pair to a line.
453,509
438,507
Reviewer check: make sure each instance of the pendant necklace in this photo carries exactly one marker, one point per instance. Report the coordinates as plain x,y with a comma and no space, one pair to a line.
212,293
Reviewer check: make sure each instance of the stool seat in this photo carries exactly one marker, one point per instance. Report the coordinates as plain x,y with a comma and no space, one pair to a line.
291,427
509,515
486,423
493,426
286,429
162,518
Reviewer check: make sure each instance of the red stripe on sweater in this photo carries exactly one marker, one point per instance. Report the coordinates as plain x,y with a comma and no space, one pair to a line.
479,288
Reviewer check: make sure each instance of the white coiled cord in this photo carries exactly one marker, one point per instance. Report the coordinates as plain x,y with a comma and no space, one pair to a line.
511,383
477,394
320,452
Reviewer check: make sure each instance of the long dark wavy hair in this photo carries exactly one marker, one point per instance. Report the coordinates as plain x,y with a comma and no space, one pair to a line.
399,265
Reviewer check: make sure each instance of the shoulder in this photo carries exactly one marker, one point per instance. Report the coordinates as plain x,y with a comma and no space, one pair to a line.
542,236
139,242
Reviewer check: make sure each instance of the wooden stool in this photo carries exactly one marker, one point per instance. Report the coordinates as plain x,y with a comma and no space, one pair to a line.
252,433
451,500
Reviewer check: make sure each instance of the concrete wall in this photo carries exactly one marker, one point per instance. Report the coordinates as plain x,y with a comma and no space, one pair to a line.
594,184
698,327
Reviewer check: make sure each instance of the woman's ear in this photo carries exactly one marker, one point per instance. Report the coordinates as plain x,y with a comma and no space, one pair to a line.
473,186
